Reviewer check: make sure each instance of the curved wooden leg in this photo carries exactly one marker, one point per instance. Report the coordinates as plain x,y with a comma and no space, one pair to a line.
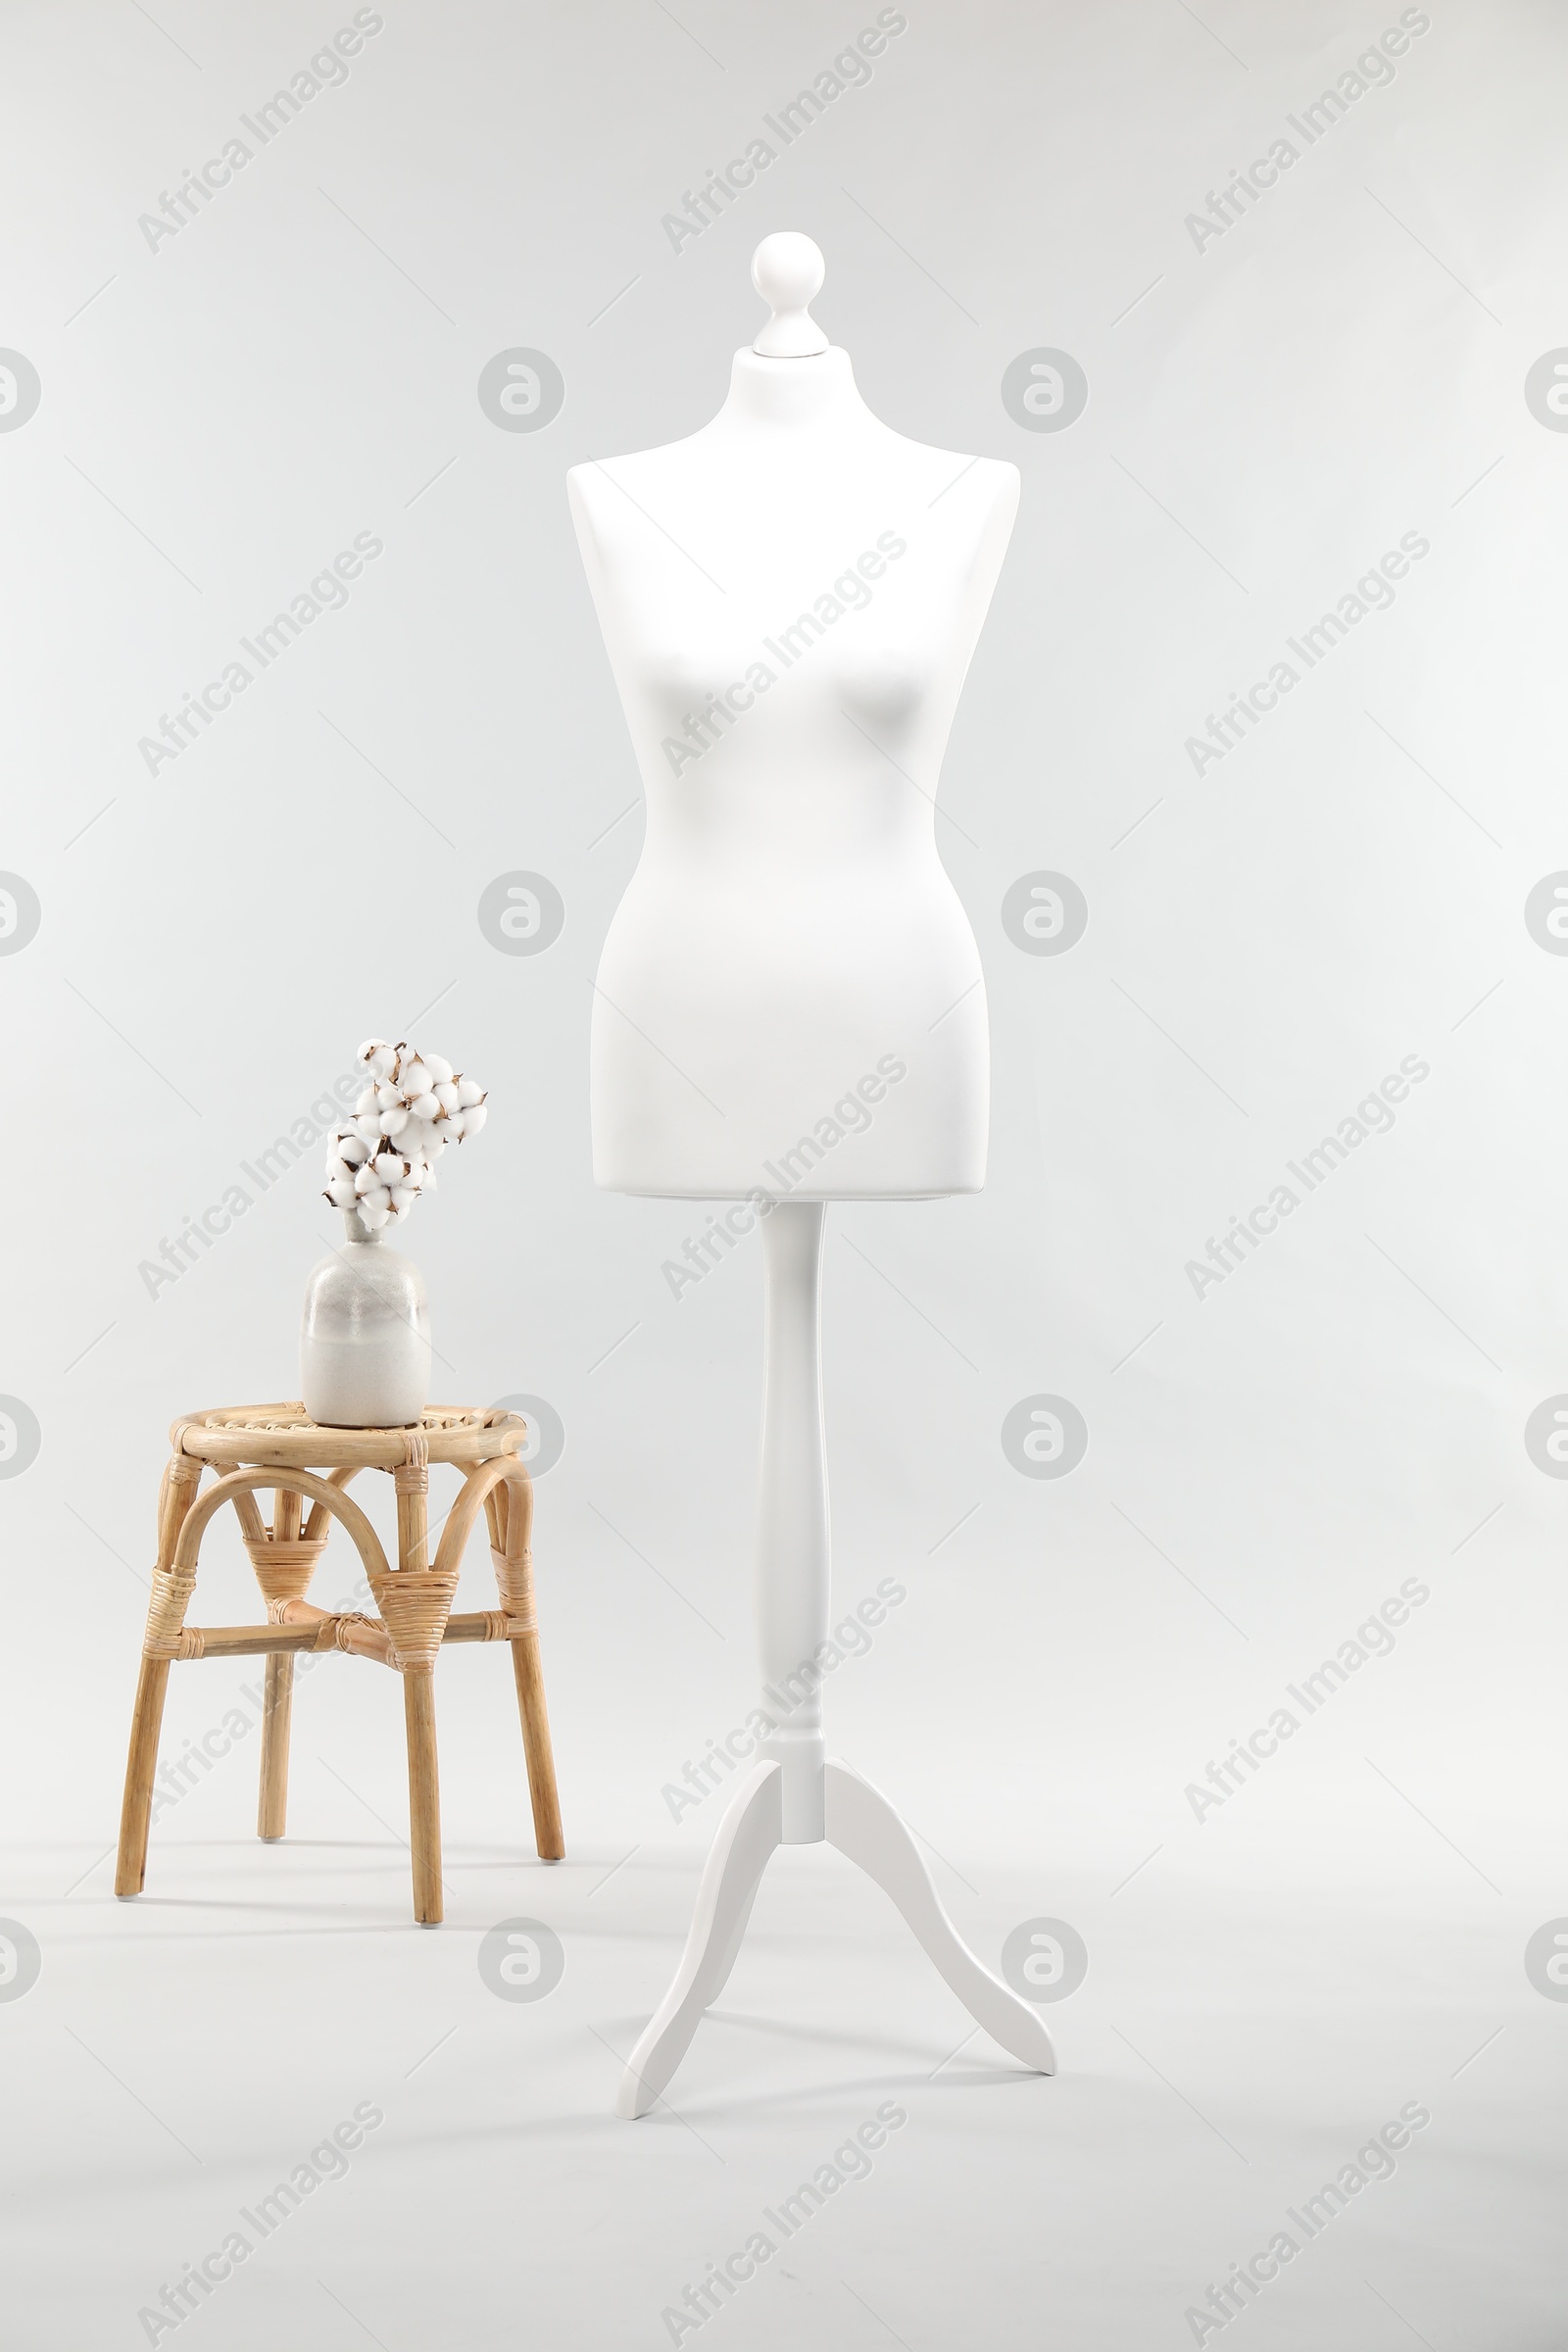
726,1967
752,1827
136,1811
166,1614
529,1674
424,1797
862,1824
509,1506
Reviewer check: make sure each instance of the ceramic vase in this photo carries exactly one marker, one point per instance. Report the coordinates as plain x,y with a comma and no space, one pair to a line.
364,1335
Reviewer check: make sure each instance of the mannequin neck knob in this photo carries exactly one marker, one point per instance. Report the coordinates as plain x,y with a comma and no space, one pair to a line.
787,271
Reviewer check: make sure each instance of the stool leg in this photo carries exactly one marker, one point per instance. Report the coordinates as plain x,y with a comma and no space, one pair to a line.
512,1526
412,1481
136,1812
277,1700
182,1479
424,1797
548,1843
278,1707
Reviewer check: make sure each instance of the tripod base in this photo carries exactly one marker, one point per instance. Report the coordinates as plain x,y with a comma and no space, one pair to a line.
862,1824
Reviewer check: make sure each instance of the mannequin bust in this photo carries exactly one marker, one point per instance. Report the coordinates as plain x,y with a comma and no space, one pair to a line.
789,1005
790,996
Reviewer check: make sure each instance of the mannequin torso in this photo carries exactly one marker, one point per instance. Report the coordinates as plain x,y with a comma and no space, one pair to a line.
790,601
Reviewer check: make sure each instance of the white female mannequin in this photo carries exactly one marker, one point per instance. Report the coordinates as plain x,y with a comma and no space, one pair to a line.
790,1003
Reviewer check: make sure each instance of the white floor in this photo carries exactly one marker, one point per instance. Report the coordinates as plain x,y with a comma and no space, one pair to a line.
180,2056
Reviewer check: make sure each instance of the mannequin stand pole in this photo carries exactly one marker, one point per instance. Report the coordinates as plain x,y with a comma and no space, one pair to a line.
793,1794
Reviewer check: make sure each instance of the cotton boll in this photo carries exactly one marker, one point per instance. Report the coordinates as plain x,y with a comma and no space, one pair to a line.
425,1106
393,1122
370,1127
447,1096
470,1092
452,1126
352,1146
427,1183
404,1196
367,1102
475,1118
365,1180
375,1218
440,1071
414,1077
389,1167
340,1192
376,1055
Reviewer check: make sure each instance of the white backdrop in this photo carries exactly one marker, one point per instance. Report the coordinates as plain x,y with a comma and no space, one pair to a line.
1360,361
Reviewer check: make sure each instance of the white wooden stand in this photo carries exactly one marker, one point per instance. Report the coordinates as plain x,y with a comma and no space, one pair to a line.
793,1794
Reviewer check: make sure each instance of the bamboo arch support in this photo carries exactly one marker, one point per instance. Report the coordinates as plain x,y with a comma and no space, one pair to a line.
413,1599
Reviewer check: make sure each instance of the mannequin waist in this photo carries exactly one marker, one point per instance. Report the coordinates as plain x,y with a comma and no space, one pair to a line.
766,863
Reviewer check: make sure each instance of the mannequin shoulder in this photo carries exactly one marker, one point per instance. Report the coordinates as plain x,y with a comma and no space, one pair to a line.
597,489
603,490
600,478
986,486
970,493
635,509
971,506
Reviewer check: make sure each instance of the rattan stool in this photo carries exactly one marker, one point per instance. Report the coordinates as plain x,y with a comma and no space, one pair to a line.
275,1445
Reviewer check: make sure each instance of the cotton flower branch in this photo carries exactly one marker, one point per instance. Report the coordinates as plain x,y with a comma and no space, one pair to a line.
384,1158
